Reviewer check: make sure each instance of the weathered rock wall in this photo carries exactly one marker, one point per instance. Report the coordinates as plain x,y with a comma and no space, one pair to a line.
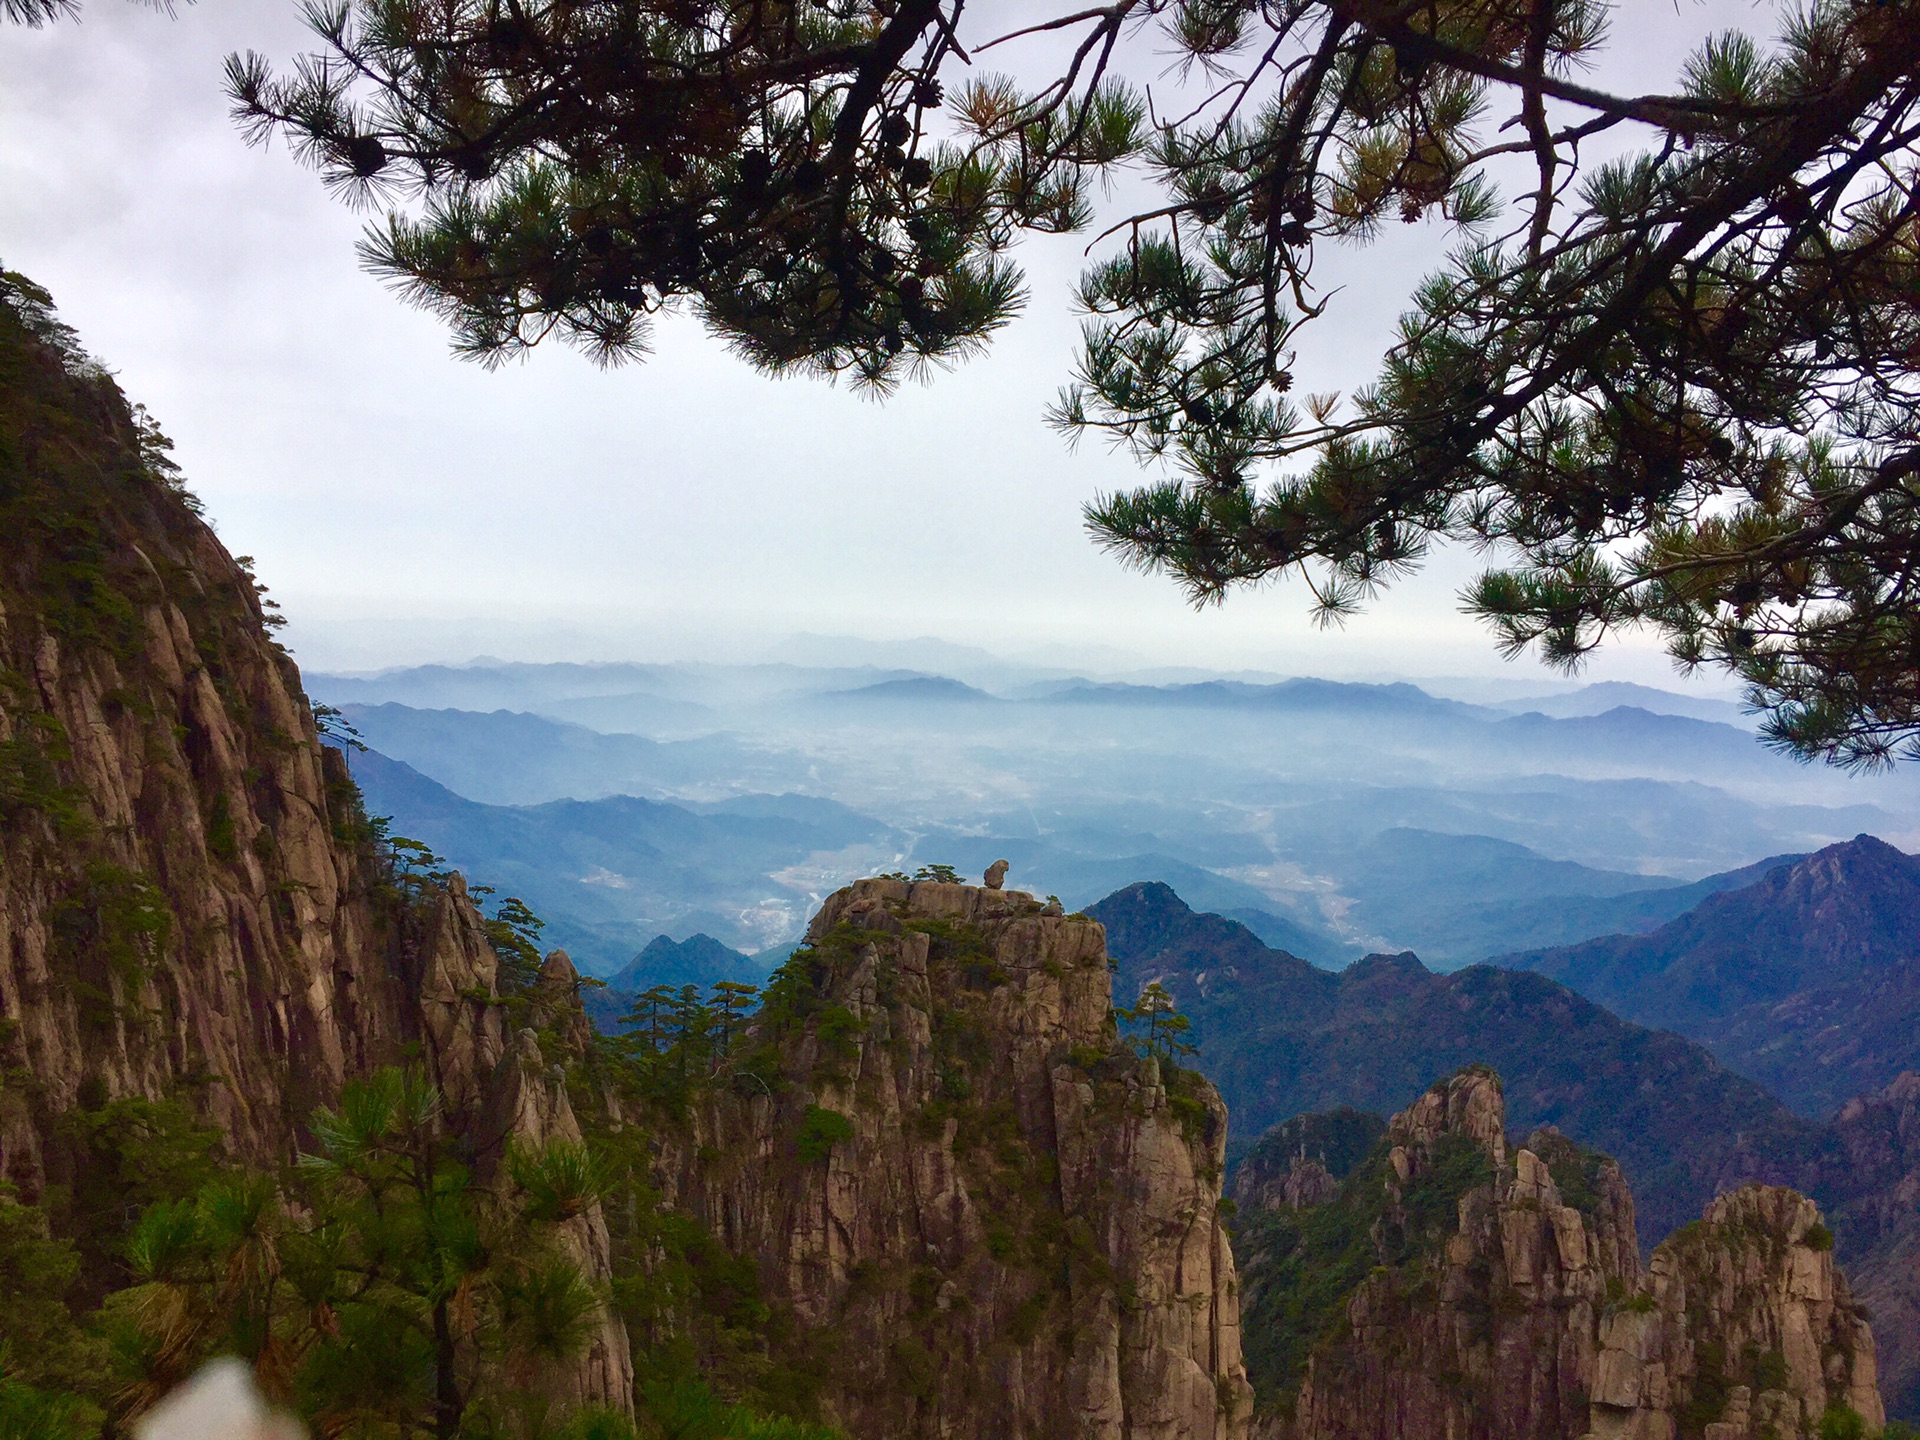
191,903
184,904
1492,1333
1868,1178
1742,1328
1522,1315
995,1220
526,1103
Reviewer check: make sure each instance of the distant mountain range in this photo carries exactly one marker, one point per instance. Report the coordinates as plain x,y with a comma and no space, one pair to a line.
1360,881
1397,700
512,685
914,688
1465,896
509,757
1802,976
609,874
1282,1038
1336,818
1605,695
1808,979
1657,1044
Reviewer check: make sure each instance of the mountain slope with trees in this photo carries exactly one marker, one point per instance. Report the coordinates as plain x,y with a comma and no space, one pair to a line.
1808,980
1282,1038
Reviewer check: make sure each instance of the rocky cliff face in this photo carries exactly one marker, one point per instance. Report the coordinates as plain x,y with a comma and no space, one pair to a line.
1863,1168
1468,1289
1868,1177
1477,1291
989,1216
526,1103
1742,1328
191,903
184,898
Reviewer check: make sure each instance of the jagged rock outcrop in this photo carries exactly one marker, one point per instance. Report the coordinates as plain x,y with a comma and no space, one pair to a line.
1742,1328
1473,1289
991,1217
1303,1183
191,903
1479,1289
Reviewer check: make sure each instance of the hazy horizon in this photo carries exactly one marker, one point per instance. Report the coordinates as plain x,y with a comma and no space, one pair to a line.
1459,818
325,650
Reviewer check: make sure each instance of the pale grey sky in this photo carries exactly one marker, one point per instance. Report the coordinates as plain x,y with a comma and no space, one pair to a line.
405,506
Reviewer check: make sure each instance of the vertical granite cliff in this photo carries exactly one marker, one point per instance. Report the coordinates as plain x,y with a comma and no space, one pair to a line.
526,1104
1476,1286
189,903
193,905
1742,1328
992,1216
1457,1287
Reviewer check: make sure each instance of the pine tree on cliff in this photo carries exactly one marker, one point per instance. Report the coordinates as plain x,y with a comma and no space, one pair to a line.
388,1291
1672,389
1164,1024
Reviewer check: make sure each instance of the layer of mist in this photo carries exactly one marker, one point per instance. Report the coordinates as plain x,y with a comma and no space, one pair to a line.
625,801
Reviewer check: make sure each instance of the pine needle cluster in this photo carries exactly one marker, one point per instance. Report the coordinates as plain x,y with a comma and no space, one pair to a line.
1667,383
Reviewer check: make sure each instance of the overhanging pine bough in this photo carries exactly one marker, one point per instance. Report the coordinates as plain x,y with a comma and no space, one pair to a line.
1674,389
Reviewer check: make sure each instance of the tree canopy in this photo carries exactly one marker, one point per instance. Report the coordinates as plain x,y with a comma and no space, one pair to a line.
1668,381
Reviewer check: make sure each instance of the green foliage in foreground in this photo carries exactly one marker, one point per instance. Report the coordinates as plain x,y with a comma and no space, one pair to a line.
379,1287
690,1410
